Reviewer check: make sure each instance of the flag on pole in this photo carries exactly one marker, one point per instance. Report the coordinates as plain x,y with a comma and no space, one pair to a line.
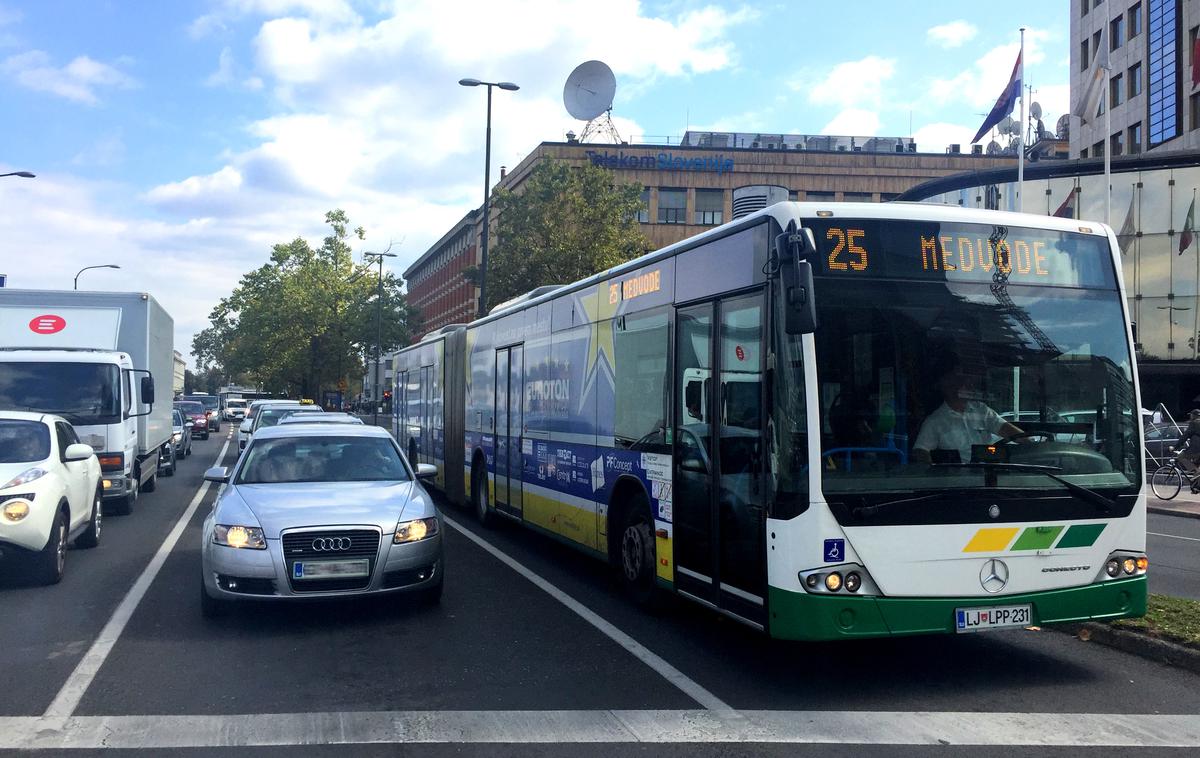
1128,231
1067,209
1087,105
1189,227
1005,103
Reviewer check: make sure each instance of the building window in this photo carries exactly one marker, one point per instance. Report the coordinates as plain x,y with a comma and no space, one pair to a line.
1116,143
1194,103
1096,44
710,206
1134,139
1116,32
1135,20
1098,149
1083,55
1083,153
857,197
793,195
1115,90
1096,4
672,206
1135,80
644,211
1083,8
1162,51
819,197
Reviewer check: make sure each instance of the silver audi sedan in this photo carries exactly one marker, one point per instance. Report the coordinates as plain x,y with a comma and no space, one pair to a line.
318,511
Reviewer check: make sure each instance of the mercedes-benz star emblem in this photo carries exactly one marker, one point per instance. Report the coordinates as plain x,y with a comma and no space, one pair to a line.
993,576
329,544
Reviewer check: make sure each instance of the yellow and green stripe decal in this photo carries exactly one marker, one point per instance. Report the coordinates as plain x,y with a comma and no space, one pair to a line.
999,539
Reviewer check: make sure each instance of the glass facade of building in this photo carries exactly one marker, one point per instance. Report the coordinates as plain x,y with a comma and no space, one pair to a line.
1163,106
1151,200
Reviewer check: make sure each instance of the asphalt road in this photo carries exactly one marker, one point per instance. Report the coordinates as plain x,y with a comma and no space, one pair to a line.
534,651
1173,545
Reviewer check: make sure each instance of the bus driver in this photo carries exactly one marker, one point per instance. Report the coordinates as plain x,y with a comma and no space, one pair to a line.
958,422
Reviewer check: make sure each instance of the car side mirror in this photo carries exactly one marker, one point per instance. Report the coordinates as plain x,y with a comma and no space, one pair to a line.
78,452
426,471
245,427
693,463
218,474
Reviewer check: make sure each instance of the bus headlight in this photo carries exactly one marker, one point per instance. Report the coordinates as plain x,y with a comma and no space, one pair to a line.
1113,567
853,581
833,581
852,578
1124,563
1129,565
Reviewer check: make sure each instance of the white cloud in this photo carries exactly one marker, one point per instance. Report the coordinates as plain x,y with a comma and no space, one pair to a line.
224,73
79,80
850,84
853,121
227,11
980,85
936,137
106,151
952,34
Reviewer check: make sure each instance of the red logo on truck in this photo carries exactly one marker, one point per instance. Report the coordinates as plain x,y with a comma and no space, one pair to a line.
47,324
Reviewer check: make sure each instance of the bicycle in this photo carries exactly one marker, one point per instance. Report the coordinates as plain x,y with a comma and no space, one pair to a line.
1167,480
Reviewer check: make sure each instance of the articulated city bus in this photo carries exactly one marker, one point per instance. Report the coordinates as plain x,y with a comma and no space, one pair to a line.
823,420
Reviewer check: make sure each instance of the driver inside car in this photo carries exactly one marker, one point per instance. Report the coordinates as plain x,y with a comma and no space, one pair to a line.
958,423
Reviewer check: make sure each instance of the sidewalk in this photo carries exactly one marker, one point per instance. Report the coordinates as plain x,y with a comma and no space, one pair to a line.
1184,504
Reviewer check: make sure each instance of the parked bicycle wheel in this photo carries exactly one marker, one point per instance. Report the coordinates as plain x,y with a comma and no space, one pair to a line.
1166,482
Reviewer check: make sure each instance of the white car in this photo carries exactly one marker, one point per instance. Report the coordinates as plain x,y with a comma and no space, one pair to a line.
49,493
246,428
235,409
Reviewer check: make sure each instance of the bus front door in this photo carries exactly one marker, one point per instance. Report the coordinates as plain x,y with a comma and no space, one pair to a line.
509,462
718,513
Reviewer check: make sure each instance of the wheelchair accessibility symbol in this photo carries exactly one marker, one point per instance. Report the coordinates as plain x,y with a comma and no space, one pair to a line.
835,551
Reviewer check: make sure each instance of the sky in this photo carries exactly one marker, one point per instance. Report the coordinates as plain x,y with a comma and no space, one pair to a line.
180,140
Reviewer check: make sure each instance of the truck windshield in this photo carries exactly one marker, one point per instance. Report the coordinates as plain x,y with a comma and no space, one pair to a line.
82,393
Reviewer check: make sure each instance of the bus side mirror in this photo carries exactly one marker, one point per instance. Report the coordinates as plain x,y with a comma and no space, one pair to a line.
800,308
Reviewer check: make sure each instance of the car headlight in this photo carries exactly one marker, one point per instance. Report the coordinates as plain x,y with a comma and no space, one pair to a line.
250,537
177,436
15,510
25,477
415,530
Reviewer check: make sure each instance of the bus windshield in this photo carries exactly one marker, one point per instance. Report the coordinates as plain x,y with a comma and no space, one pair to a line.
966,384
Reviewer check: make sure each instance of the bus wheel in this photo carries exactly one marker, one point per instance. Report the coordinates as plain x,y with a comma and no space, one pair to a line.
479,496
637,553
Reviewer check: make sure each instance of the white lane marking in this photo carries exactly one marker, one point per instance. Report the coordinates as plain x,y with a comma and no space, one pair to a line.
639,651
574,727
67,699
1173,536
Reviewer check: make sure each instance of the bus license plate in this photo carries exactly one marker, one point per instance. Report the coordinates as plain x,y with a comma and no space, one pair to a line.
330,569
988,618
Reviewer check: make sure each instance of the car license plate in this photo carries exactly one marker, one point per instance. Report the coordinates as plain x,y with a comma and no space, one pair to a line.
995,617
331,569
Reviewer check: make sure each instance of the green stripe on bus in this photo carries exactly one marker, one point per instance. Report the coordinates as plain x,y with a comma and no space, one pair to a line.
1081,535
1037,538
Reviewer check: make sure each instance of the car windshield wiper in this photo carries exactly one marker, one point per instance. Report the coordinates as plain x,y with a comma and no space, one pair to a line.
1083,493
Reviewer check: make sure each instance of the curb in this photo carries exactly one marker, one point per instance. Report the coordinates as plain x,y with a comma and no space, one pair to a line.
1171,512
1163,651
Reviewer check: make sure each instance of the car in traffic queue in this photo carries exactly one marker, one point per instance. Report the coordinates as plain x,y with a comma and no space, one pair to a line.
212,410
319,511
324,417
245,428
270,414
194,412
50,493
235,409
181,433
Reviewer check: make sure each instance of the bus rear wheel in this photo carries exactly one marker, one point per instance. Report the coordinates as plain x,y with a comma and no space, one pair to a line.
637,553
479,496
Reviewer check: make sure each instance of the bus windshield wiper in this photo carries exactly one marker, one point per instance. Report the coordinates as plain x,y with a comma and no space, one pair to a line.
1083,493
871,510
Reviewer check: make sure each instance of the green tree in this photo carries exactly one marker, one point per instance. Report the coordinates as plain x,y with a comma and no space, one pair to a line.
306,319
565,224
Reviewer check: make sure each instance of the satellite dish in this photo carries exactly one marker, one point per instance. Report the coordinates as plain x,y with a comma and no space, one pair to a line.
993,148
589,90
1035,110
1062,129
1005,125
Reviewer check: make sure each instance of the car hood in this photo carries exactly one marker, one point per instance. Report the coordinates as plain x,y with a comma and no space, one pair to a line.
276,507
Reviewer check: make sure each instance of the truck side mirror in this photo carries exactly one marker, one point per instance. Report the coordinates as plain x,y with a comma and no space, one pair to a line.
148,390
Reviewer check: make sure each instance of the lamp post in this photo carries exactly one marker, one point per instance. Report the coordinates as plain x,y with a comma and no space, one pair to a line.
85,268
375,395
22,174
487,182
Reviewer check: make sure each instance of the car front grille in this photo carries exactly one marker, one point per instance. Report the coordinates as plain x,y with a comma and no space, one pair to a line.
299,546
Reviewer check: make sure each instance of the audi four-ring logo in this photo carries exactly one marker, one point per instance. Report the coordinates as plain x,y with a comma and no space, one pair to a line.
330,544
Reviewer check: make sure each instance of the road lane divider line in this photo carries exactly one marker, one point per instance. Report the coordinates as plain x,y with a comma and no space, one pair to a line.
664,669
936,728
71,693
1173,536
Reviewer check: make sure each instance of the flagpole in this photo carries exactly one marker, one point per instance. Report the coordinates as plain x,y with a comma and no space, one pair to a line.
1196,303
1107,159
1021,137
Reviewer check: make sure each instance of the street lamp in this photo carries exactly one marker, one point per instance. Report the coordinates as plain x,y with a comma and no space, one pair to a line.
487,181
375,397
85,268
22,174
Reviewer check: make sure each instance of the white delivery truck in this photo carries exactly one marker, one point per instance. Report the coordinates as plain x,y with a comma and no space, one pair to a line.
94,358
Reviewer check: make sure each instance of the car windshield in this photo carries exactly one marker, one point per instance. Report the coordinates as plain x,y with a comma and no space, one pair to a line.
190,408
23,441
272,416
207,402
234,404
321,459
82,393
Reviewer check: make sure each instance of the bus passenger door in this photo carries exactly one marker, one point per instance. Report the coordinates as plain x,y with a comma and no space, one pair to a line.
719,518
500,432
510,388
425,441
